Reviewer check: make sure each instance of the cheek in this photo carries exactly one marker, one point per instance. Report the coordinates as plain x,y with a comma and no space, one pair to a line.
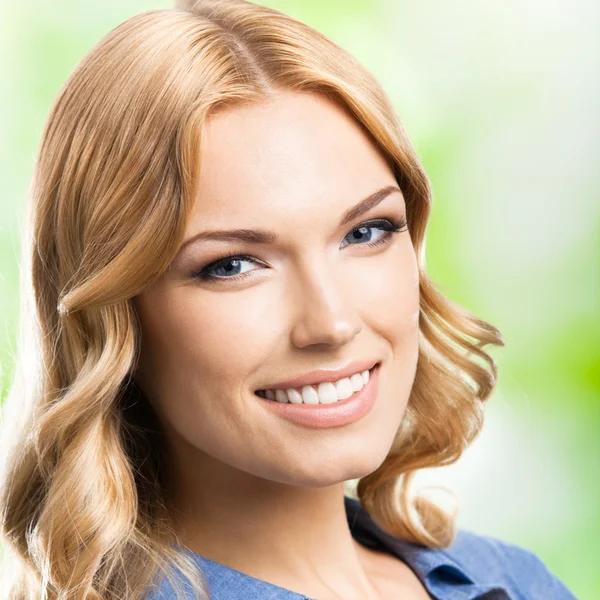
391,297
198,345
199,349
394,314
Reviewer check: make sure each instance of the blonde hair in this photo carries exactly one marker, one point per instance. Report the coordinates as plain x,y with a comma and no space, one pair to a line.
86,511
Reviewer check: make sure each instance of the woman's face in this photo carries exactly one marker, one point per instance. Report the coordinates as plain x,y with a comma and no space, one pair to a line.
318,297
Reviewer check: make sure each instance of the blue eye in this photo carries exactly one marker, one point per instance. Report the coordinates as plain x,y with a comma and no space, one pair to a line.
231,263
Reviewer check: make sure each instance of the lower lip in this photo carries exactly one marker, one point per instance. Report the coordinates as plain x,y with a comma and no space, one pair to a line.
336,414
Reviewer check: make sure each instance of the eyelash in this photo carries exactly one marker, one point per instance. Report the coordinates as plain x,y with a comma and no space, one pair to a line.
391,226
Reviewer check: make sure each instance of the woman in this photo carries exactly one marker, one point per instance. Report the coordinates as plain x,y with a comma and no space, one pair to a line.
230,320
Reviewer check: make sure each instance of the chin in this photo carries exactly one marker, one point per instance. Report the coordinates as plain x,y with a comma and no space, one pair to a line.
330,469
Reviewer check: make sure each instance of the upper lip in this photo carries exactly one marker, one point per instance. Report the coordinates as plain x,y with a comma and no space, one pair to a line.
322,375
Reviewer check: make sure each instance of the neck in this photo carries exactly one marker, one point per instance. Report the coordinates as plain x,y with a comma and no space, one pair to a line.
294,537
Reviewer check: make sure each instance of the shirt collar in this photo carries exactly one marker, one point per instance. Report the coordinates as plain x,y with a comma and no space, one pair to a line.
421,558
441,569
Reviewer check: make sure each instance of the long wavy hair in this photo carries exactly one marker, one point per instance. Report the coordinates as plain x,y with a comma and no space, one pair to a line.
86,511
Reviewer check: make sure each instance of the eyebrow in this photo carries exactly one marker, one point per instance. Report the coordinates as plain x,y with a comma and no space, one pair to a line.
262,236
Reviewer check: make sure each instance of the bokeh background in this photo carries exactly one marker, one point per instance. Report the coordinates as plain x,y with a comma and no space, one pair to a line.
500,99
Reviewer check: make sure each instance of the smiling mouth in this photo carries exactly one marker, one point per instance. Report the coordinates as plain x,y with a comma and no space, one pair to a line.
321,393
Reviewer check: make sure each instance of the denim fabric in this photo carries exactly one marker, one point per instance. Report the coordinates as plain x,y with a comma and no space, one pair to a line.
473,566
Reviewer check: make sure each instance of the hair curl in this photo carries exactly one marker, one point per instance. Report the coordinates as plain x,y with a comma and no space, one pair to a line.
86,509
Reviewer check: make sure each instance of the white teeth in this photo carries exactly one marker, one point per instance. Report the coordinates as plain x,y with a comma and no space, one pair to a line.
357,382
309,395
294,396
327,392
365,376
344,388
324,393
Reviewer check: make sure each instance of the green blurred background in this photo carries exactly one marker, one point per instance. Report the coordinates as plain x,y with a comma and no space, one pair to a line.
500,99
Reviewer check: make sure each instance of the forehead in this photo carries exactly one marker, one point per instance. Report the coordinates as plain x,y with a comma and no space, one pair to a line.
297,152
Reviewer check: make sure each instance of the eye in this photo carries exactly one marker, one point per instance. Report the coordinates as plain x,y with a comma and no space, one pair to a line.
228,266
389,227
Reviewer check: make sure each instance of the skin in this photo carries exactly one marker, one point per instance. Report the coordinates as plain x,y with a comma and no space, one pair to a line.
254,491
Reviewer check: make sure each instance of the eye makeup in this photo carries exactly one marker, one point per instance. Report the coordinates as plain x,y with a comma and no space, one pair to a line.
390,225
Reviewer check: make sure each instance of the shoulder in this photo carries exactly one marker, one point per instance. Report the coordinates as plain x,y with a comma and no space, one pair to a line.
488,559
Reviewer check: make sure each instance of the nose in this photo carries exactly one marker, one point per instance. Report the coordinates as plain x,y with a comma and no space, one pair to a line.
325,308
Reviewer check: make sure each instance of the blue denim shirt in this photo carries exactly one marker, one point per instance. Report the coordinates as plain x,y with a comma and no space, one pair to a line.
473,566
